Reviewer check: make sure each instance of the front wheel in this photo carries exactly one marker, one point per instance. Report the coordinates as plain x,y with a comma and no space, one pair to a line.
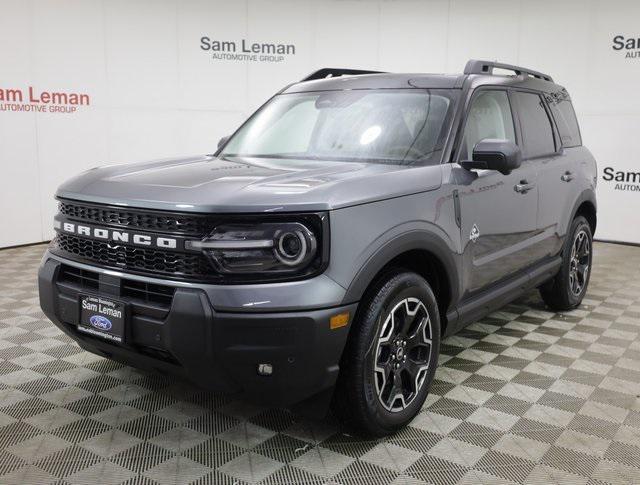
391,355
569,286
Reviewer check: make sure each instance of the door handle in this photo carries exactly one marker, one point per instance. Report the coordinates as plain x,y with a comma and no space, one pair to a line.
523,187
567,176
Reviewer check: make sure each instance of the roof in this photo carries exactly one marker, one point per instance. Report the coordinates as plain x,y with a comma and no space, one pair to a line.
379,81
476,73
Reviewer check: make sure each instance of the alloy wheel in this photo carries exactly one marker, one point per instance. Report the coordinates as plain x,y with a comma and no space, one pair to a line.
402,355
579,263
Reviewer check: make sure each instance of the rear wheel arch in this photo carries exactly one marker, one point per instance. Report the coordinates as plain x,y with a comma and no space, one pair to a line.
588,210
586,206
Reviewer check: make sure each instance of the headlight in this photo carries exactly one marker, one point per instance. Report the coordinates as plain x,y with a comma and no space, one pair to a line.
267,250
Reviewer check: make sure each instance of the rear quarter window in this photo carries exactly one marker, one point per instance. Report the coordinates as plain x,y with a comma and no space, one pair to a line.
565,116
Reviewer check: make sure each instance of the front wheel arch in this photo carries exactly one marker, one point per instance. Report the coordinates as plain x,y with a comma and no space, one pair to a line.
419,251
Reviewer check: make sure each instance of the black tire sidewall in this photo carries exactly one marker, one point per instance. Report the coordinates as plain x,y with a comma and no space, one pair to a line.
405,284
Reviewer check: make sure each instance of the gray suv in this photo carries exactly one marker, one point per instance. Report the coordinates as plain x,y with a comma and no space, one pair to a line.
324,250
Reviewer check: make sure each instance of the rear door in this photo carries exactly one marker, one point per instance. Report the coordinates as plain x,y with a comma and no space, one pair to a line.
498,212
558,172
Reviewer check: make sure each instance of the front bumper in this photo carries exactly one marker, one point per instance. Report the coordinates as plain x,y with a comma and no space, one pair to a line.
176,330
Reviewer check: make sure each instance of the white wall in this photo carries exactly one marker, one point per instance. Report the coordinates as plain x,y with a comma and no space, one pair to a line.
155,93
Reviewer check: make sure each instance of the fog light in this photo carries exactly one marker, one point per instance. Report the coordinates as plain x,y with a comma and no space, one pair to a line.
265,369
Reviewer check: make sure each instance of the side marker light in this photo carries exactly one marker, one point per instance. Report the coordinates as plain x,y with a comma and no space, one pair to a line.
339,320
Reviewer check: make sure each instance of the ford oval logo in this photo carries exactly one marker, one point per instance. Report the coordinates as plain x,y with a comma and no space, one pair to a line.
100,322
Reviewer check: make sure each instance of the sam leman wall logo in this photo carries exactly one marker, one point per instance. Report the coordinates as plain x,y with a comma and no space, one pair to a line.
34,100
628,45
243,50
623,180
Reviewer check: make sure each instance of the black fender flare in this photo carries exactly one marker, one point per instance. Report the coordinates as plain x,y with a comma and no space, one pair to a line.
587,195
415,239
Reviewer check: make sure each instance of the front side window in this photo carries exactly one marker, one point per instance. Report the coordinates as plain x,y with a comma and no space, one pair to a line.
537,133
489,117
384,126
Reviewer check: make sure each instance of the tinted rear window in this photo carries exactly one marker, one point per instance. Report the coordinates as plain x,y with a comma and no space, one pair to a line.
537,132
565,116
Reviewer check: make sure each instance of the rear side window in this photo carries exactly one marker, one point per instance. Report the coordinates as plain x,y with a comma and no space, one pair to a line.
565,116
537,133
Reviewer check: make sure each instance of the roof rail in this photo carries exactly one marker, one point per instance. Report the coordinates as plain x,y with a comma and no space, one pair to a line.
326,72
475,66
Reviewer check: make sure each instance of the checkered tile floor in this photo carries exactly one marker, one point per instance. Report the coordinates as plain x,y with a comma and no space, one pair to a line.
523,396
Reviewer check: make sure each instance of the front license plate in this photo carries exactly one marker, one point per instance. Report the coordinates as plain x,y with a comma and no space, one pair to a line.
102,317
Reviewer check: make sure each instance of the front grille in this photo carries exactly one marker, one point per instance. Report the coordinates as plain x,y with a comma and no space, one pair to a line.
148,304
148,292
140,291
135,259
82,278
147,220
116,247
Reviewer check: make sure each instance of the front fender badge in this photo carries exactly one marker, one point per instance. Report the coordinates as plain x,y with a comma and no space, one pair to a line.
475,233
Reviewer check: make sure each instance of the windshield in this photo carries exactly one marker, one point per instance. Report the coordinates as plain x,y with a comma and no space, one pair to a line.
392,126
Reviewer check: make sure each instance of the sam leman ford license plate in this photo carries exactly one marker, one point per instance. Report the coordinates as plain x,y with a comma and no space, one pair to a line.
102,317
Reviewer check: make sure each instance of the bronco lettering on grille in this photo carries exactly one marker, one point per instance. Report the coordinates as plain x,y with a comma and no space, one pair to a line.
117,235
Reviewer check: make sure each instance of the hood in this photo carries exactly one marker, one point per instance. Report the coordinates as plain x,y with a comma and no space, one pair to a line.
211,184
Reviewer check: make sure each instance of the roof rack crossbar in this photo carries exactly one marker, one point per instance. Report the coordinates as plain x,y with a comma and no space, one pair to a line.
475,66
327,72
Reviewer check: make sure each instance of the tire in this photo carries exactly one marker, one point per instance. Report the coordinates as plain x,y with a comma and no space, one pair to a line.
383,357
567,289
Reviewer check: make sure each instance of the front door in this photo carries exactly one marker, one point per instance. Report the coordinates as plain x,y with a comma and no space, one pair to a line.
498,212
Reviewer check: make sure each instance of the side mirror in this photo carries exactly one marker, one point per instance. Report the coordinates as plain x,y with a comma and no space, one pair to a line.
495,154
222,142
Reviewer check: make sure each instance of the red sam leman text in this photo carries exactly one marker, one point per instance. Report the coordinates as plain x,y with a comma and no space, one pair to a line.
44,97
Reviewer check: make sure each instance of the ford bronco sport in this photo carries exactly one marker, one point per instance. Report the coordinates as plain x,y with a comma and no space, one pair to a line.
333,240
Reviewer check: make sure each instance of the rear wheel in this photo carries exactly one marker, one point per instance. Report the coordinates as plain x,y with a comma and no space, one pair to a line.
391,355
569,286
